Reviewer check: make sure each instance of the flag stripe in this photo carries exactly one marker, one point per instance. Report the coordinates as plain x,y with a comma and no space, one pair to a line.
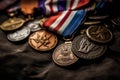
47,7
50,5
55,6
62,21
66,23
75,22
75,4
58,20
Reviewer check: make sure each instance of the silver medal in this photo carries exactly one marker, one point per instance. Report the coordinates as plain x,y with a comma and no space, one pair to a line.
19,34
85,49
34,25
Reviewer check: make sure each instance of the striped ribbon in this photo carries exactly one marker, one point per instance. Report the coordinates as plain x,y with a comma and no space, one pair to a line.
53,6
65,23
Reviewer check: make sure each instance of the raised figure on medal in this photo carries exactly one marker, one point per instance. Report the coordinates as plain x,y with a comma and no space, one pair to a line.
65,54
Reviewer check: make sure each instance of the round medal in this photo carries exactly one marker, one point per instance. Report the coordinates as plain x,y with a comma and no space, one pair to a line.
42,40
85,49
19,34
34,25
12,24
99,33
63,55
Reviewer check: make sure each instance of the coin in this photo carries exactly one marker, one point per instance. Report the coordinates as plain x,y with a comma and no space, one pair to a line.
98,17
19,34
42,40
12,24
85,49
99,33
116,21
92,22
34,25
63,55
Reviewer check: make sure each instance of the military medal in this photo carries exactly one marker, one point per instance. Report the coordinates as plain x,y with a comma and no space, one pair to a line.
19,35
34,25
99,33
63,55
12,23
42,40
85,49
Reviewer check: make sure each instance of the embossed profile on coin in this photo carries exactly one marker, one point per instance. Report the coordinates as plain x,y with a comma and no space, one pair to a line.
19,34
34,25
99,33
12,24
42,40
63,55
85,49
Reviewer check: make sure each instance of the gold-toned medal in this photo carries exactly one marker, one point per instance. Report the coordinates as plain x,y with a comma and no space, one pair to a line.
99,33
42,40
12,24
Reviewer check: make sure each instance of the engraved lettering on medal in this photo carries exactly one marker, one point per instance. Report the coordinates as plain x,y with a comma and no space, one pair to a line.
85,46
100,33
42,40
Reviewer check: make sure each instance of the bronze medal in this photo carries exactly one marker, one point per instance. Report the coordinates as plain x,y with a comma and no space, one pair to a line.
42,40
99,33
85,49
12,24
63,55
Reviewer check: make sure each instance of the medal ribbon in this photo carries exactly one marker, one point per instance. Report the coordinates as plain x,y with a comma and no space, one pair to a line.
67,19
49,7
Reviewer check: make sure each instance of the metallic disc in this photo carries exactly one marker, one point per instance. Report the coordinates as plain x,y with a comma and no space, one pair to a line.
63,55
12,24
85,49
98,17
19,34
34,25
99,33
42,40
116,21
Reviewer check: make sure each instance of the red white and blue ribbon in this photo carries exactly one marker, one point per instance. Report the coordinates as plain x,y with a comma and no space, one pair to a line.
53,6
68,17
65,23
